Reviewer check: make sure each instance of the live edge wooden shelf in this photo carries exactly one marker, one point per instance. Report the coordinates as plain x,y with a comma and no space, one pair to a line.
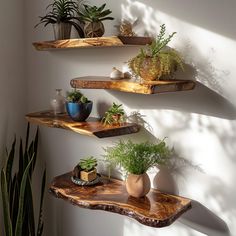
114,41
152,87
91,127
156,209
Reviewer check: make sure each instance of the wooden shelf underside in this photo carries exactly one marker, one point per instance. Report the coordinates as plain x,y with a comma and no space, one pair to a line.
91,127
156,209
114,41
152,87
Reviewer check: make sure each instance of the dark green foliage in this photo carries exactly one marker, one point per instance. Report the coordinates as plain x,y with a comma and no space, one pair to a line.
63,11
137,158
76,96
114,110
16,190
88,164
94,13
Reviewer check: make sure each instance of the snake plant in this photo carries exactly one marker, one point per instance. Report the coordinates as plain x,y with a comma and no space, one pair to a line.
16,190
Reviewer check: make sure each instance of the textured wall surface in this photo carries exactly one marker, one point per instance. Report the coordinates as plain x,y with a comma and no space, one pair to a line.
12,76
200,124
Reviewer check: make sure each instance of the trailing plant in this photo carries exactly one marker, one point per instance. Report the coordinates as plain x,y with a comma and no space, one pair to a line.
88,163
137,158
114,114
16,190
94,13
76,96
63,11
159,59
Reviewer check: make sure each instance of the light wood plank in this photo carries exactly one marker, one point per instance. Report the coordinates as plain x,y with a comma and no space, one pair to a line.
91,127
152,87
113,41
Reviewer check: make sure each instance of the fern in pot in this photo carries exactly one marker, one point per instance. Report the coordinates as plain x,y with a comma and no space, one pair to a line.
63,15
135,159
157,61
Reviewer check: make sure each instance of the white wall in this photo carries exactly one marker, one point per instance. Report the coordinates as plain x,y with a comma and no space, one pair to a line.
13,81
200,124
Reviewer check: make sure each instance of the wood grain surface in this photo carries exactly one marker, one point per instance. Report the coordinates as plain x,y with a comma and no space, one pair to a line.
91,127
113,41
156,209
152,87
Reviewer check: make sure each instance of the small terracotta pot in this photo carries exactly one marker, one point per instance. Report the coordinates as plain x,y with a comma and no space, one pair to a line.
138,185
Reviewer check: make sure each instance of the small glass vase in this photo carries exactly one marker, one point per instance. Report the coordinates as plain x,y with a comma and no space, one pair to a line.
58,103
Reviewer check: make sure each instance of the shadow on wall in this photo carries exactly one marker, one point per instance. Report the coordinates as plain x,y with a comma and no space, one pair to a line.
201,100
204,14
151,16
203,220
199,217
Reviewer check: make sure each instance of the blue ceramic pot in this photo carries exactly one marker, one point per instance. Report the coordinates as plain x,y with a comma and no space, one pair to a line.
79,111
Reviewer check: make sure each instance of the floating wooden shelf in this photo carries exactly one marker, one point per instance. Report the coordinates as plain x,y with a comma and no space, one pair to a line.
156,209
91,127
152,87
114,41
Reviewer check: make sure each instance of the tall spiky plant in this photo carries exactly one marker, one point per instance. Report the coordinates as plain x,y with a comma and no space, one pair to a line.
16,190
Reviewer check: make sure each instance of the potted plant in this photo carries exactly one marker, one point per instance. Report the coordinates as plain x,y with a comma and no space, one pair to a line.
156,61
78,106
62,15
114,115
135,159
86,170
92,17
17,200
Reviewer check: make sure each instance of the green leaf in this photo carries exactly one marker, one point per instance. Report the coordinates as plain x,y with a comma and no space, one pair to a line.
10,161
40,221
5,202
27,136
20,218
30,207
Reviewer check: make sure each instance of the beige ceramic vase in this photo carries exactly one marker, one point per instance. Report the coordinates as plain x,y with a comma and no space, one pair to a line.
138,185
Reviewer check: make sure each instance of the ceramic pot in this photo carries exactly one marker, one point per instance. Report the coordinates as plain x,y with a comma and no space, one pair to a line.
138,185
61,30
79,111
94,29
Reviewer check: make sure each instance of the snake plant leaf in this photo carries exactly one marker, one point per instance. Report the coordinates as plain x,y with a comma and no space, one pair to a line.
35,143
15,202
20,219
10,164
6,208
30,207
40,221
21,162
27,136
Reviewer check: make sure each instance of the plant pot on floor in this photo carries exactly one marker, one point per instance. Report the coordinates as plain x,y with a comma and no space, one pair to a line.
138,185
62,31
79,111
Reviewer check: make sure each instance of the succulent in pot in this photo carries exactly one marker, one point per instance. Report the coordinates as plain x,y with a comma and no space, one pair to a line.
63,15
135,159
92,17
157,61
78,106
86,169
114,115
